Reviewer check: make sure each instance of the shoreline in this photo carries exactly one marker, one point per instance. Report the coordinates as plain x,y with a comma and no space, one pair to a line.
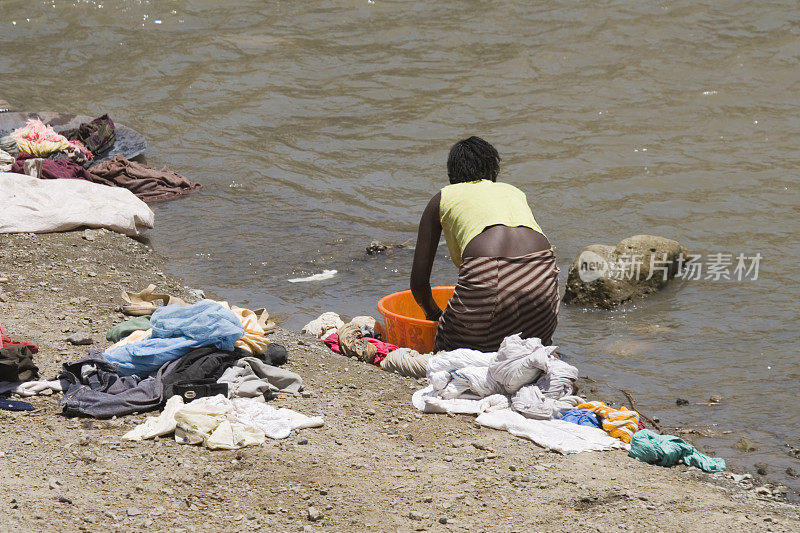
376,464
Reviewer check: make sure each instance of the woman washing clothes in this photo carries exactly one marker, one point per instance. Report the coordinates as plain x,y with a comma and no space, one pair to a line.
507,277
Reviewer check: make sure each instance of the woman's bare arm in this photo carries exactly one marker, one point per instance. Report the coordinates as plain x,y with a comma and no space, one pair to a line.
430,231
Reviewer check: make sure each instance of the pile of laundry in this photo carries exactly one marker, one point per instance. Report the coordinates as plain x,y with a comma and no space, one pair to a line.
524,389
76,190
361,338
210,363
16,365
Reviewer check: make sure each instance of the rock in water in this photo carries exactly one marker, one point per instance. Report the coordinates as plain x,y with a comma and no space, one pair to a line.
608,276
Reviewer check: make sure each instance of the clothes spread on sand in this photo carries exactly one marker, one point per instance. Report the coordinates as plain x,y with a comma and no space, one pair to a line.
6,161
220,423
256,325
326,324
50,169
149,184
406,362
31,205
352,347
97,136
619,423
15,405
252,378
39,139
123,329
175,331
668,450
582,417
16,364
31,388
496,297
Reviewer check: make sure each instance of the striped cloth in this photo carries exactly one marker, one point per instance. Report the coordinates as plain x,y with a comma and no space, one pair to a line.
619,423
499,296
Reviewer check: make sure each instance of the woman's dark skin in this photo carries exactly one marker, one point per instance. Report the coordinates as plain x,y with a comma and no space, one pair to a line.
494,241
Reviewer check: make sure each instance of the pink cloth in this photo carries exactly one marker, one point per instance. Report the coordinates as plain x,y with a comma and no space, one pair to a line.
384,348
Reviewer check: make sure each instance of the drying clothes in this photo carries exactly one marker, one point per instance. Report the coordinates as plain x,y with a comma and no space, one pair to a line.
204,421
530,402
9,145
557,435
92,387
38,139
156,426
383,349
323,325
16,363
50,169
15,405
496,297
582,417
441,365
252,378
176,330
352,345
406,362
210,363
275,423
145,302
77,153
146,183
520,362
123,329
6,161
31,205
256,325
98,135
428,400
619,423
35,388
668,450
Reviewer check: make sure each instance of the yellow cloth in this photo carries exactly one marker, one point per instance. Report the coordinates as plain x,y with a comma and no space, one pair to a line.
256,326
466,209
133,337
619,423
42,148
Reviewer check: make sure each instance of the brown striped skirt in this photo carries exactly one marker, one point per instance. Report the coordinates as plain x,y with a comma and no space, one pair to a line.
499,296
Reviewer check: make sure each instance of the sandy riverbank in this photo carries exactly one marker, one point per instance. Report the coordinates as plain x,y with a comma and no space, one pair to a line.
377,464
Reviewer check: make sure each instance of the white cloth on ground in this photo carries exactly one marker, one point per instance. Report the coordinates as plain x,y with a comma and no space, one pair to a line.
520,362
406,362
532,403
323,325
31,388
428,400
440,366
250,377
43,206
155,426
557,435
275,423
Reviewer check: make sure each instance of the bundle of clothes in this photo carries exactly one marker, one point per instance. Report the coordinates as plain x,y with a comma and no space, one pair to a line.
361,338
208,364
37,150
524,389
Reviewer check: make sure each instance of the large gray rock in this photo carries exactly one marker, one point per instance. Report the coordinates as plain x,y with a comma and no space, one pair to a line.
608,276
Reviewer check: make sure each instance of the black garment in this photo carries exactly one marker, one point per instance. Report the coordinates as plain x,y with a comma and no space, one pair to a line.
276,355
191,390
16,364
97,136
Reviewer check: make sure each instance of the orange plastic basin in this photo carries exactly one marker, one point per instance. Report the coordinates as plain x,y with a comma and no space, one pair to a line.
405,321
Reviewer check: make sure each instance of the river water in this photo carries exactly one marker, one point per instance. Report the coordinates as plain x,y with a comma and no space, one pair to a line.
317,127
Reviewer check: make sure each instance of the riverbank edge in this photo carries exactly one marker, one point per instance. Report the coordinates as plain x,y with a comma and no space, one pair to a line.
55,284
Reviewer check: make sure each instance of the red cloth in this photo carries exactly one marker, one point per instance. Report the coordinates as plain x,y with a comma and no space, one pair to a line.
55,169
640,426
5,340
384,348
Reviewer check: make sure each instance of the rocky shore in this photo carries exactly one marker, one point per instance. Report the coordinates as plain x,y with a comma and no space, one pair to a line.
377,464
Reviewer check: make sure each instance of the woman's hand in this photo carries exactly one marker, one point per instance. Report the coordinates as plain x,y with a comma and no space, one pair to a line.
434,316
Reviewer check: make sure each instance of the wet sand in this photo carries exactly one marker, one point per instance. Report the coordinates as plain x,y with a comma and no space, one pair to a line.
377,464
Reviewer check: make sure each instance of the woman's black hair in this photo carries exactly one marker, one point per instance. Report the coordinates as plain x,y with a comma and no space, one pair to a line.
472,159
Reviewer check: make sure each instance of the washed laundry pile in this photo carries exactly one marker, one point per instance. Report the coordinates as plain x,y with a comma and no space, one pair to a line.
16,365
360,338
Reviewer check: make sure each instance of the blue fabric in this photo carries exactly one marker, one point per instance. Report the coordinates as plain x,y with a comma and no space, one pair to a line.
177,330
667,450
582,417
15,405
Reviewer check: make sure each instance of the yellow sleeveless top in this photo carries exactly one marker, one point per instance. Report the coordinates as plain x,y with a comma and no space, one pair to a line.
466,209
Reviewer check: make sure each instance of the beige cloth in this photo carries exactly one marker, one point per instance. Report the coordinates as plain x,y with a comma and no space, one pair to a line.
256,325
6,160
323,325
137,335
406,362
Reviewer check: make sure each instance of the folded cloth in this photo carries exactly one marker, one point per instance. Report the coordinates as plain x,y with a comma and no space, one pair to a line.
582,417
146,183
252,378
406,362
31,205
50,169
531,403
123,329
16,364
176,330
668,450
323,325
97,136
619,423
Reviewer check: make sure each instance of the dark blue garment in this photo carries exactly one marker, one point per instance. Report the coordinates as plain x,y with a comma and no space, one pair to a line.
582,417
15,405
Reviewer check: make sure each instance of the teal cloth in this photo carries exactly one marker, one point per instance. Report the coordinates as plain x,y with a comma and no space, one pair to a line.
667,450
120,331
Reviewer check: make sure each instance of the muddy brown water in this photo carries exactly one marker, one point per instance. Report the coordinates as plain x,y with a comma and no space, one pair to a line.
319,126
